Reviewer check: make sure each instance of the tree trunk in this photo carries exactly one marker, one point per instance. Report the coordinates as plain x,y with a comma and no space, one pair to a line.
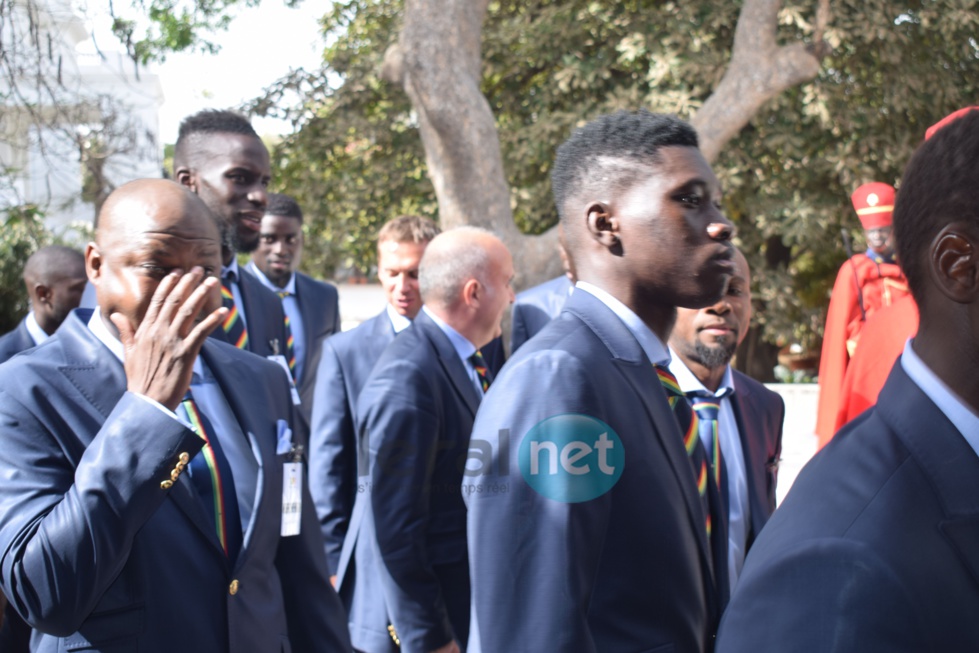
437,60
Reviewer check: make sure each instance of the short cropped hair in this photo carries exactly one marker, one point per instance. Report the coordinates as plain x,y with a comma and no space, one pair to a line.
592,157
442,272
408,229
51,263
939,186
206,123
285,206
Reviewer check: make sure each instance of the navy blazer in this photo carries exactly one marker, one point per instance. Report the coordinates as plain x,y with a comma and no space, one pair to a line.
319,304
626,571
876,546
99,556
346,360
263,316
15,341
759,413
416,412
535,307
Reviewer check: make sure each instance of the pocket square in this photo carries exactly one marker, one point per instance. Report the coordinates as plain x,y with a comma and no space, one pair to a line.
283,437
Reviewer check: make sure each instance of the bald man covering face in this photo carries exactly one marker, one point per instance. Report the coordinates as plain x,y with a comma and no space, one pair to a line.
112,536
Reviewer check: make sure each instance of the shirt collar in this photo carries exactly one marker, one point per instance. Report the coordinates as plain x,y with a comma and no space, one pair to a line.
232,268
398,321
951,405
289,287
654,348
37,333
690,383
460,343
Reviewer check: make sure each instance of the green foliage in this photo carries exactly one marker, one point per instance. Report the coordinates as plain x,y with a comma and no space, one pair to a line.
23,234
165,26
549,65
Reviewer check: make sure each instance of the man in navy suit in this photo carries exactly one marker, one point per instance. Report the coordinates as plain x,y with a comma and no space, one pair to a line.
742,415
337,458
416,412
311,306
876,546
219,156
55,279
126,518
537,306
586,529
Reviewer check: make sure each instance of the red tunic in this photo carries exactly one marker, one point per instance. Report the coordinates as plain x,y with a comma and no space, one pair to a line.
881,284
881,342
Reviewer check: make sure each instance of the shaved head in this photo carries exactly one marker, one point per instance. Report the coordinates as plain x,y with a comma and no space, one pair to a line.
55,280
147,229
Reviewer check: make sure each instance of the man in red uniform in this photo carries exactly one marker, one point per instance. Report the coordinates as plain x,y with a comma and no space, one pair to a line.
865,283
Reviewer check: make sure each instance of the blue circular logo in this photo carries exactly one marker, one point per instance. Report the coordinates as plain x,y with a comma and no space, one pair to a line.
571,458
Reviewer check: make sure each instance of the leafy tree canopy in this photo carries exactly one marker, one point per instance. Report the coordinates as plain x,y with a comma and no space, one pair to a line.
549,65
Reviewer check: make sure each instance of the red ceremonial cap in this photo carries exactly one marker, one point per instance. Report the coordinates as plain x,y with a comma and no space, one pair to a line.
874,203
947,119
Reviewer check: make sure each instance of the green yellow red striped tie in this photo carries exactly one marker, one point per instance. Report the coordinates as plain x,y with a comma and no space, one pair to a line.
290,340
482,370
212,477
690,428
233,325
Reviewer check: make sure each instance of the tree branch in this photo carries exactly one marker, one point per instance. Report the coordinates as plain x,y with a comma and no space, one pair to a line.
759,71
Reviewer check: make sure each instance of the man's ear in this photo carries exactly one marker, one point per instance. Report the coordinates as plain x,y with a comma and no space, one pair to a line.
955,263
42,293
93,262
602,226
185,177
472,293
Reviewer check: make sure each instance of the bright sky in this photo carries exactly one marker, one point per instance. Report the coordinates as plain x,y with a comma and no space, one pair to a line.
248,62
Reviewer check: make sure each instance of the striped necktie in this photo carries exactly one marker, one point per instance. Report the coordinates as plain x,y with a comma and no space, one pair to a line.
233,325
707,406
482,370
709,497
690,428
212,478
290,340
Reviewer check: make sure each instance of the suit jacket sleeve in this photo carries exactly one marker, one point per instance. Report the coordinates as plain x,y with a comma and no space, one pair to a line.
333,454
530,554
315,617
67,526
402,427
793,602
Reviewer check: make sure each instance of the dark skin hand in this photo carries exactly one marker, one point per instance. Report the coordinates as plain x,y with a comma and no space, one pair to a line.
160,354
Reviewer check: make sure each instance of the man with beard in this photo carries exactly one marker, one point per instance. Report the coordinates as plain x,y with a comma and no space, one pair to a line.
740,419
219,157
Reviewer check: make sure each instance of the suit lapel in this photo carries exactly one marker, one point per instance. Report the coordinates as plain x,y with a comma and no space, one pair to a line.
250,412
95,372
944,456
638,370
746,417
449,359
